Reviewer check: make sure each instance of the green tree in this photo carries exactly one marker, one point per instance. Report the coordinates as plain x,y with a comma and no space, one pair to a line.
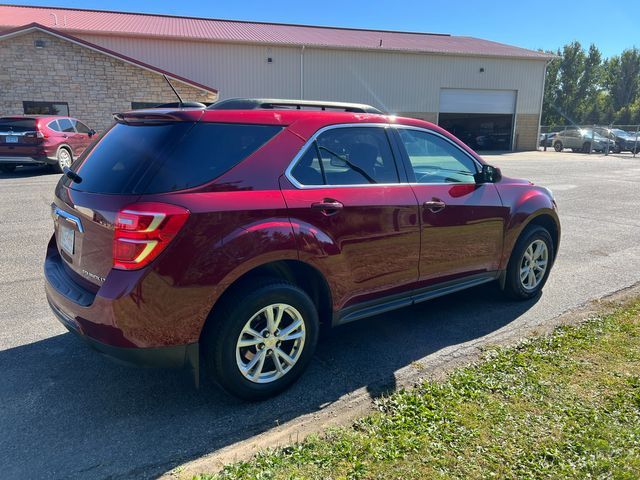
571,69
550,114
589,84
623,78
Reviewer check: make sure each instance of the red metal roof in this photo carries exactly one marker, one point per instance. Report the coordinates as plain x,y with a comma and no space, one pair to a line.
166,26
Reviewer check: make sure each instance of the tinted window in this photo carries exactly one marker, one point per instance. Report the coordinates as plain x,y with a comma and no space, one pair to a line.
17,125
349,156
436,160
66,125
168,157
140,105
308,169
80,127
54,126
45,108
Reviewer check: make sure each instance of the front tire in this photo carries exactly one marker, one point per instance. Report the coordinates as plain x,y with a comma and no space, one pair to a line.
558,146
586,147
7,168
530,263
261,339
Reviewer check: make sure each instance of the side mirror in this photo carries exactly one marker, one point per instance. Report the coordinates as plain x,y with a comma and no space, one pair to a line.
92,132
488,174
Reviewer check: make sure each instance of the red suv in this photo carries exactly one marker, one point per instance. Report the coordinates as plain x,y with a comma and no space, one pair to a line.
39,139
230,234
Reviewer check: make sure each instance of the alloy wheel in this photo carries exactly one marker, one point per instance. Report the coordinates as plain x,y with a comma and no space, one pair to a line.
533,265
270,343
64,158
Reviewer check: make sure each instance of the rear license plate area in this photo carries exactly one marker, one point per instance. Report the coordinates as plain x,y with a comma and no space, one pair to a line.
67,239
11,139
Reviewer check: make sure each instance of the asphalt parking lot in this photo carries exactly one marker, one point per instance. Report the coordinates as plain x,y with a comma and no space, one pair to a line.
66,412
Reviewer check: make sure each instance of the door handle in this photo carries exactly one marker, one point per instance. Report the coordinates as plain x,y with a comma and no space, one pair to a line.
435,205
328,207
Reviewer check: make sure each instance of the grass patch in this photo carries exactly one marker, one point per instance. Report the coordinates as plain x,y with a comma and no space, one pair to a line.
565,405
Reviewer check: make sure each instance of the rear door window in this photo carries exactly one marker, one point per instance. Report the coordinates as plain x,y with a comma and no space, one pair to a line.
348,156
143,159
66,125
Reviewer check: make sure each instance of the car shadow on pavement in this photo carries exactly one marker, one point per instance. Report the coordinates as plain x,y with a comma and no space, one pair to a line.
26,172
67,412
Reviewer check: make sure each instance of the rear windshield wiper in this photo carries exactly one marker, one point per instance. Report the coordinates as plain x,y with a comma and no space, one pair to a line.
72,175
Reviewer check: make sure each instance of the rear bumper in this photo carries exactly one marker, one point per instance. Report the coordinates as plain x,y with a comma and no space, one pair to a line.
176,356
97,319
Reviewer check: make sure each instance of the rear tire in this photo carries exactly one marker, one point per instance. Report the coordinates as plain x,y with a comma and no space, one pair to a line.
7,168
247,356
524,277
558,146
586,147
64,157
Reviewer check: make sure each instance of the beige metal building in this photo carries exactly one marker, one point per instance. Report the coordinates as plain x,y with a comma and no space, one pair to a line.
488,94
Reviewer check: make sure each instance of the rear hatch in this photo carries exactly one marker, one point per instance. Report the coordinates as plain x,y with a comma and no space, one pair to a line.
138,157
19,137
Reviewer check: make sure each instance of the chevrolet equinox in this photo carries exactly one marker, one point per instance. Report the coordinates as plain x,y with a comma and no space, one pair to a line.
227,235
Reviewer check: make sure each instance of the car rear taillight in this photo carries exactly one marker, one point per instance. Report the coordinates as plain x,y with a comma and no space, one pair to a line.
36,134
143,230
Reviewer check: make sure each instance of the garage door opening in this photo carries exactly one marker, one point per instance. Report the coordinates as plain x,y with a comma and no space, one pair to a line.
483,119
479,130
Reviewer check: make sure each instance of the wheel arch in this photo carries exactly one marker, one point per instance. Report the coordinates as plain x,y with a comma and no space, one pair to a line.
66,147
300,273
549,223
546,218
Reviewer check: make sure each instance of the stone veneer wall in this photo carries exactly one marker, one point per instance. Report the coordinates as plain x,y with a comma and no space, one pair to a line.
93,84
526,131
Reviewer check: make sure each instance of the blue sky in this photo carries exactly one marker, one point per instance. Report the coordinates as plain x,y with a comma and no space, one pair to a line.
533,24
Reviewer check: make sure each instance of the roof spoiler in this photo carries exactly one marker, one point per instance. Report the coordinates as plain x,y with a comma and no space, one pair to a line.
151,116
286,104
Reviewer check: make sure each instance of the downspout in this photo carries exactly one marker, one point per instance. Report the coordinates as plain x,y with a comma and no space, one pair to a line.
544,81
302,73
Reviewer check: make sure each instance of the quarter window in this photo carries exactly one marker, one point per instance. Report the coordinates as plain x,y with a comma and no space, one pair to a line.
348,156
436,160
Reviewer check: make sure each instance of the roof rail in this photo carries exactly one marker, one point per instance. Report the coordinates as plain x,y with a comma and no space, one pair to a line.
181,105
286,104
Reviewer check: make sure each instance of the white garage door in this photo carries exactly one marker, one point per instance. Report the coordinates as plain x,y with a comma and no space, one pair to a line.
458,100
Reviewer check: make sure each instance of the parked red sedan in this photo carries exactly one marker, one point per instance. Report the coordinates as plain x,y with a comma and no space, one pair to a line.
231,233
38,139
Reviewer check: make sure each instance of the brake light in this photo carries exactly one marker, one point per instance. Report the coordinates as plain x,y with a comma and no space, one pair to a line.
143,230
39,132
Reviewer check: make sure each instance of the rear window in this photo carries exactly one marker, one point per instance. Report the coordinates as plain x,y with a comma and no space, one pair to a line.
143,159
17,125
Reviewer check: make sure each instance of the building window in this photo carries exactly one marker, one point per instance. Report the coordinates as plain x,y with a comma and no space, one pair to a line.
46,108
141,105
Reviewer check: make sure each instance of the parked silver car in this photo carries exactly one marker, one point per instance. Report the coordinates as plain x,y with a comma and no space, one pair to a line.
580,140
